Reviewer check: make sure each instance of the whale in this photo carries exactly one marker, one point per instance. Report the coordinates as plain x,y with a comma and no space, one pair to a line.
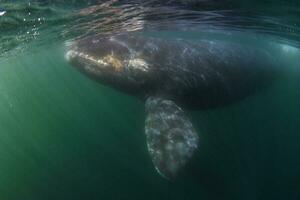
172,75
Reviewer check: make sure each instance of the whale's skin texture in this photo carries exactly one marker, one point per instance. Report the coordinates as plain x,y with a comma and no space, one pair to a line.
172,74
195,74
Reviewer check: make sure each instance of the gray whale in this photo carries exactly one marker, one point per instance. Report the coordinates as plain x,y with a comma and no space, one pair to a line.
171,75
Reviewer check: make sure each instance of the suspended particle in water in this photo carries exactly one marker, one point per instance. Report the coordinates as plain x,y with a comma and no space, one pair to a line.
2,13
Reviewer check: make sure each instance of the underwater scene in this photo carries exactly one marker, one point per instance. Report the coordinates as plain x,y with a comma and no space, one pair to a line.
149,99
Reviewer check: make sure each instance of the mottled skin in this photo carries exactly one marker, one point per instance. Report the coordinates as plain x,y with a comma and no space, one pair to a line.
170,74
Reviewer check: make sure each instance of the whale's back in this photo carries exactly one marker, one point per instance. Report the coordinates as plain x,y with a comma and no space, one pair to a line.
204,74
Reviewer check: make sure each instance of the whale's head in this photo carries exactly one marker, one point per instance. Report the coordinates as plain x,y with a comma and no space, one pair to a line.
110,61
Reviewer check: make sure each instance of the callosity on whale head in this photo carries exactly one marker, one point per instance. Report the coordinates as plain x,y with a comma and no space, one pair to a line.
111,62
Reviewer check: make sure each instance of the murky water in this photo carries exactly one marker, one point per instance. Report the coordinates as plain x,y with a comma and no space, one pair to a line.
63,136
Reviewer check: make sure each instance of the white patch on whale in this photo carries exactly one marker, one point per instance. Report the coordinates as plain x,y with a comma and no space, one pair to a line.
138,63
2,13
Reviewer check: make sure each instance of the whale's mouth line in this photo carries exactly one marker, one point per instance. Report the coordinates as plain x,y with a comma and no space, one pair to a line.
108,61
72,54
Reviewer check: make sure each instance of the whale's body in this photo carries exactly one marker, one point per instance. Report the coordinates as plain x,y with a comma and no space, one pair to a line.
171,74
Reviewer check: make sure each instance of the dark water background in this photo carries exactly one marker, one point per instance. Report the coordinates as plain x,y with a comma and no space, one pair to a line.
63,137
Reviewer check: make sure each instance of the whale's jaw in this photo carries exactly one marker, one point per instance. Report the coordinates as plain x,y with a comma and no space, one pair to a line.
112,62
93,64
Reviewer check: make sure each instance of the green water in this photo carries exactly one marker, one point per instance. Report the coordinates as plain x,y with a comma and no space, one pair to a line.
65,137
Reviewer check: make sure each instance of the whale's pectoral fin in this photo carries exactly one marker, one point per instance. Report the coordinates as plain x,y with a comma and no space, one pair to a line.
171,137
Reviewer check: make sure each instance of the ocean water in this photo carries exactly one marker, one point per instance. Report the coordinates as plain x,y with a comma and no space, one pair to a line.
63,136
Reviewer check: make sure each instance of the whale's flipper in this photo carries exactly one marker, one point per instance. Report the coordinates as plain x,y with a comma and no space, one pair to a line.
171,137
